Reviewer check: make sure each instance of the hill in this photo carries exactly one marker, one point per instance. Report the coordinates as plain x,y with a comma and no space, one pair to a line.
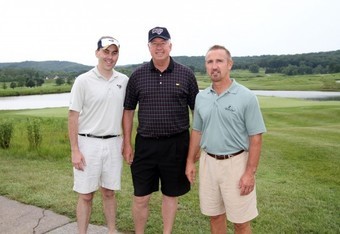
47,66
320,62
308,63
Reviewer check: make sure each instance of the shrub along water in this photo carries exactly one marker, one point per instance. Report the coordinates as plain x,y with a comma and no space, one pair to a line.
34,133
6,130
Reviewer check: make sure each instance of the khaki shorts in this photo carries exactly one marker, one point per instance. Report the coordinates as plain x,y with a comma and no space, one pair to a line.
104,162
219,188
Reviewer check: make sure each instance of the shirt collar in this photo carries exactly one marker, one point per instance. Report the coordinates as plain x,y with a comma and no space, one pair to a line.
97,73
232,89
170,68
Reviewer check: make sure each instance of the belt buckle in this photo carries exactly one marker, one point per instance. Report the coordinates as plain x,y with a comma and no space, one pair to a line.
228,156
219,157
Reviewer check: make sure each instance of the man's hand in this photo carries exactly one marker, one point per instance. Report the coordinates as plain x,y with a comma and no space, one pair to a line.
247,183
128,153
190,172
78,160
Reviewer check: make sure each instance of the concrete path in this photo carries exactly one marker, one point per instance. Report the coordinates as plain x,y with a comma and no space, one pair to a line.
18,218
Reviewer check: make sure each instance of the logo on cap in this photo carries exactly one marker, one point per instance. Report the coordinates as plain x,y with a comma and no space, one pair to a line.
157,30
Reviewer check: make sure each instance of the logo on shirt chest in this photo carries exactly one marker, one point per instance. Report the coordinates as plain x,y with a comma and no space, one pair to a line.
230,108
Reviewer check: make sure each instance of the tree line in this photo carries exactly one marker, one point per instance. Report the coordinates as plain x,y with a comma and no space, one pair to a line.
31,74
31,77
299,64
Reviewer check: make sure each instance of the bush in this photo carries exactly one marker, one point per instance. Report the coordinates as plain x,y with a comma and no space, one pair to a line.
34,133
6,130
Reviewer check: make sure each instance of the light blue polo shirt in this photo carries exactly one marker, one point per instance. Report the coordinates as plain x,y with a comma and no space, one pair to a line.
227,120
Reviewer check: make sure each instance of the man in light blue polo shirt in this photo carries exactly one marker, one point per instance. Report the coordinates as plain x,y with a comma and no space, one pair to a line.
228,127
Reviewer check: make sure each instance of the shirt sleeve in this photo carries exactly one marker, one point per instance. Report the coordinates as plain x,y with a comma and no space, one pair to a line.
253,118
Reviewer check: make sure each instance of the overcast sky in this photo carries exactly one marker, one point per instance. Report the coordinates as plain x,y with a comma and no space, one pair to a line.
68,30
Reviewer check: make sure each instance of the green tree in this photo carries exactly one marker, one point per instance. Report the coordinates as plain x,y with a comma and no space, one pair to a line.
21,83
69,81
13,85
30,83
60,81
254,68
290,70
39,81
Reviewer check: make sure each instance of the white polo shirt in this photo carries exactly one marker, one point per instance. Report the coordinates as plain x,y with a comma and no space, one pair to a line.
99,101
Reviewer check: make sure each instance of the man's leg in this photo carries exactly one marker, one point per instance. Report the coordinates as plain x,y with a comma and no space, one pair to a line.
84,208
140,212
218,224
110,208
169,209
242,228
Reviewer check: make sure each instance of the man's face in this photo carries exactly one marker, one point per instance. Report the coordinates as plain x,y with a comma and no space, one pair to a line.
218,65
159,48
107,58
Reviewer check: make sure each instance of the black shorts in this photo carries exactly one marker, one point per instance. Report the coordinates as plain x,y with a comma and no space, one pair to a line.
160,160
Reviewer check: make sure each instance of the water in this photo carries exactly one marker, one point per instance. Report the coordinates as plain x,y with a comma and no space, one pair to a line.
34,101
62,100
313,95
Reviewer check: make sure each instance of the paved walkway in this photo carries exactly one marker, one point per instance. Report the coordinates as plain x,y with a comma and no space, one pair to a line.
18,218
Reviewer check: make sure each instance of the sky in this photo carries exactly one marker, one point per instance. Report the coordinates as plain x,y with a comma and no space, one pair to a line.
68,30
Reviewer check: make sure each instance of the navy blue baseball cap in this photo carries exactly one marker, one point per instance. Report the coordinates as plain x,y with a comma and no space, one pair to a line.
160,32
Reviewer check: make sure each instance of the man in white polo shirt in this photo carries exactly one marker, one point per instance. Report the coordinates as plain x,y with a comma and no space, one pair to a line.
228,127
95,117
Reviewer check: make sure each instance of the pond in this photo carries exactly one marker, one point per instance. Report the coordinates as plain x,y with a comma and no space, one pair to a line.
62,99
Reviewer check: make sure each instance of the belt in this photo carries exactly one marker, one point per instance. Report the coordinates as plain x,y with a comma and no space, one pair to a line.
221,157
165,136
100,137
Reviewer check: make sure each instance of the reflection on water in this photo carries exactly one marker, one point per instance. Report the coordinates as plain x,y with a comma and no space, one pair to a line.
62,100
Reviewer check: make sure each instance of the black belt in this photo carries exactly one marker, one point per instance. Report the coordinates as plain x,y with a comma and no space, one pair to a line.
165,136
221,157
100,137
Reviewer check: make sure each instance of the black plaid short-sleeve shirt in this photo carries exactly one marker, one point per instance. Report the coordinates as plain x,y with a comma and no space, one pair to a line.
163,99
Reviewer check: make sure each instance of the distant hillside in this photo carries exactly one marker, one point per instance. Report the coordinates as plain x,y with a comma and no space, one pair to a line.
308,63
48,66
328,61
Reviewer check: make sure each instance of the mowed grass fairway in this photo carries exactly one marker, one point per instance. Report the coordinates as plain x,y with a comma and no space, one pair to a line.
298,180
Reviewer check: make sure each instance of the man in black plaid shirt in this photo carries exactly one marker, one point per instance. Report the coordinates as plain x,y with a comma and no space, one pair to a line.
164,90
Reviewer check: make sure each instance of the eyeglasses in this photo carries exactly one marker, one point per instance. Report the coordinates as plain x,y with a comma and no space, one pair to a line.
107,41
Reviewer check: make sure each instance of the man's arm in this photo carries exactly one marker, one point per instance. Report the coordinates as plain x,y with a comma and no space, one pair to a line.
78,160
127,132
247,181
194,149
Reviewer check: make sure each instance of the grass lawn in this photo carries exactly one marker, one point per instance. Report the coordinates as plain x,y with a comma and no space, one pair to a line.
262,81
298,182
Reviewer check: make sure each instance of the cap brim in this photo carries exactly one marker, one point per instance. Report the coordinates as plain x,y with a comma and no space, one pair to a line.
158,36
104,48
